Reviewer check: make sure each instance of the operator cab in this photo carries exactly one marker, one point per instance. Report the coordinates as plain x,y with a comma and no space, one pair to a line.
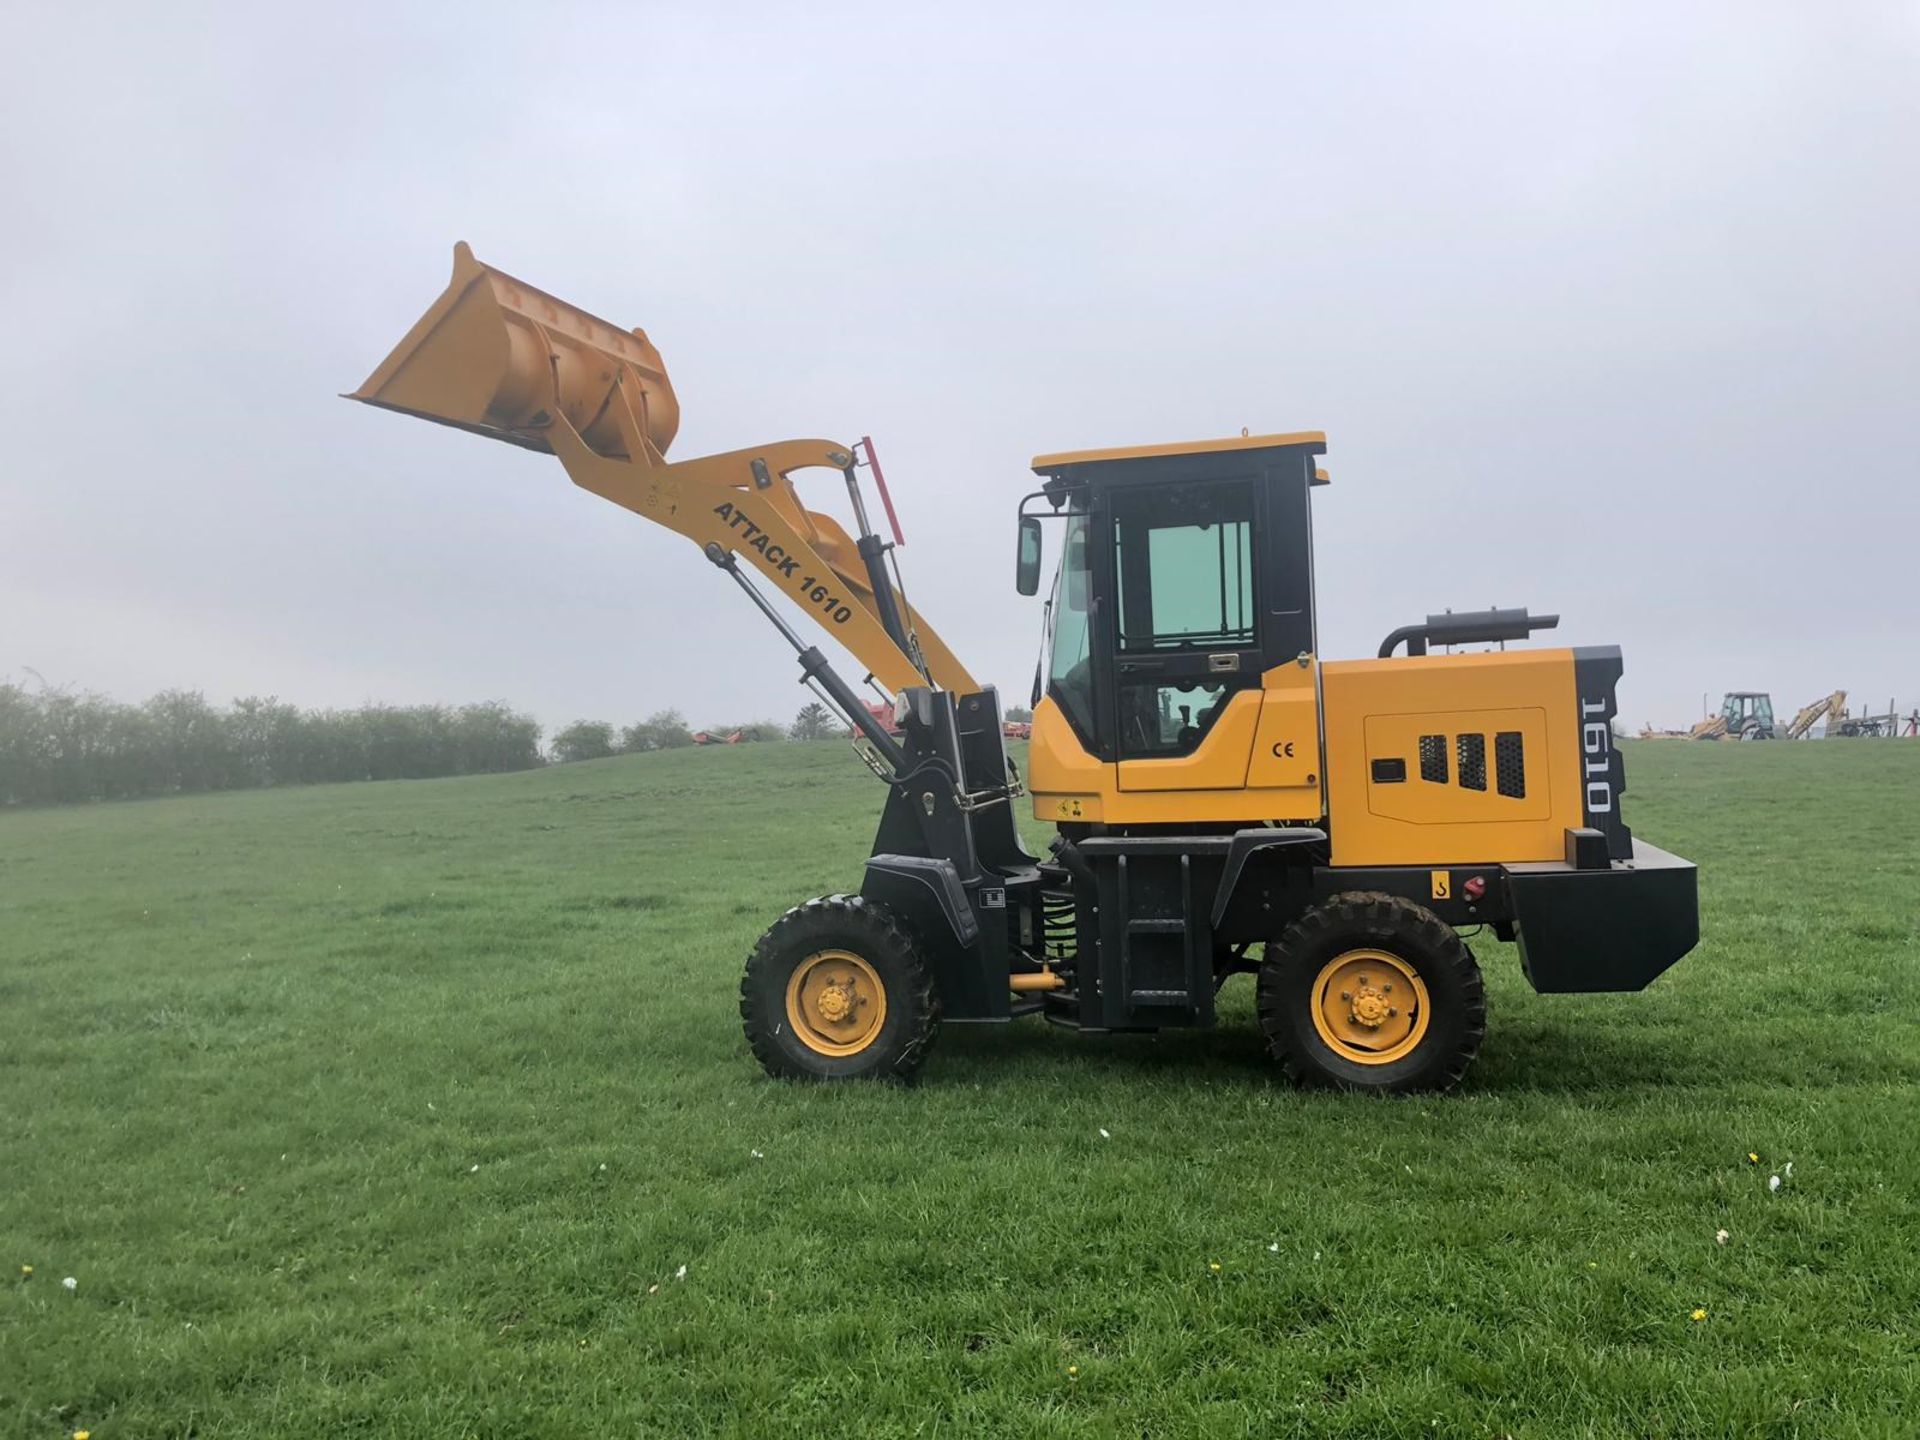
1186,574
1749,715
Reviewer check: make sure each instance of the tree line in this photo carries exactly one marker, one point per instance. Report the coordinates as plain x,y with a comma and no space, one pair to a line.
668,730
62,746
58,746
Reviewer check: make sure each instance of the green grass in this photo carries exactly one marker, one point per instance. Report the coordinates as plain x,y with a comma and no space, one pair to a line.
253,1048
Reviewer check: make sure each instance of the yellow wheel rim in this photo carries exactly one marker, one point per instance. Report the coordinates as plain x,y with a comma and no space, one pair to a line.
835,1002
1370,1007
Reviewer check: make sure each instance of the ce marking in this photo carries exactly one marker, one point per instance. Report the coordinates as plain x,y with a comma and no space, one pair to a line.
1283,750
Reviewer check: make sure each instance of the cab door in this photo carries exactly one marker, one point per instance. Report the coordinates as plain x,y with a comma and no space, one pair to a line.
1185,679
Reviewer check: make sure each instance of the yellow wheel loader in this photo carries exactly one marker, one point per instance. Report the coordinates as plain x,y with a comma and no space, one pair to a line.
1225,800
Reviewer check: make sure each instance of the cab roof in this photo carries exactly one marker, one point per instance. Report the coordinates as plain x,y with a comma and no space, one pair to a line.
1312,440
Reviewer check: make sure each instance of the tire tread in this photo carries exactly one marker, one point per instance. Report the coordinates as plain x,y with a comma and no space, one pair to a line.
877,927
1371,911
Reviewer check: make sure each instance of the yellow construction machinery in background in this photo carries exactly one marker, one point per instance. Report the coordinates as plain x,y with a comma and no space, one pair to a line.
1224,800
1744,715
1748,715
1833,709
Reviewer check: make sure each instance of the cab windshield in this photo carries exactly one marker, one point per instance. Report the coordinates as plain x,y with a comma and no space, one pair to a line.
1069,671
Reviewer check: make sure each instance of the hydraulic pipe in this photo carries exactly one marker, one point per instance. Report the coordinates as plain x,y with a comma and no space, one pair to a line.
814,666
873,553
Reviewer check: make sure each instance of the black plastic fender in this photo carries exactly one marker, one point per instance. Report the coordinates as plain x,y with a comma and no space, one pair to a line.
909,884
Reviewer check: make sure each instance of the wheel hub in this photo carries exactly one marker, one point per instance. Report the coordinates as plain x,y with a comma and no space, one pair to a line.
836,1004
1369,1006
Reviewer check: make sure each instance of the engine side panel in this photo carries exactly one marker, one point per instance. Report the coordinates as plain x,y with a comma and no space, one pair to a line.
1443,759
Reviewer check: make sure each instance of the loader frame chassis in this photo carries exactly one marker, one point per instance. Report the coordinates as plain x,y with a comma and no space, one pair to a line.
1162,917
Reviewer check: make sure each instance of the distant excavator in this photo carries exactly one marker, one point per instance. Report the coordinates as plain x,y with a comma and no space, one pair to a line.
1841,723
1833,709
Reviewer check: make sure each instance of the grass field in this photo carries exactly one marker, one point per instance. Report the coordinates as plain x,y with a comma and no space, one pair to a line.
422,1109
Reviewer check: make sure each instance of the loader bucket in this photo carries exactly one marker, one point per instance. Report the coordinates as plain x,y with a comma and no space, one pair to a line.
499,358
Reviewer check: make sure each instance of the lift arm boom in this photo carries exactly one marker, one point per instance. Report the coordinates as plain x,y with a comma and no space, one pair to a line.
499,358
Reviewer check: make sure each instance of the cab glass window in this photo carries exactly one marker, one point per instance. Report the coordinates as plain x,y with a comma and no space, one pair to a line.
1069,671
1169,719
1183,558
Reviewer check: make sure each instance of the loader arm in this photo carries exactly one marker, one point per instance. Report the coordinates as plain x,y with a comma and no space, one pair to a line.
501,359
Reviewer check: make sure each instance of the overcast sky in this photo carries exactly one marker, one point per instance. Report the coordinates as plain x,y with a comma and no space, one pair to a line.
1612,311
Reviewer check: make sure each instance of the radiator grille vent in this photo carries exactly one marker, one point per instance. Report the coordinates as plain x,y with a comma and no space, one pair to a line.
1433,759
1472,759
1510,764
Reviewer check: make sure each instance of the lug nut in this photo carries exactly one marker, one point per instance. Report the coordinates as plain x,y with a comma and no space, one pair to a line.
1346,995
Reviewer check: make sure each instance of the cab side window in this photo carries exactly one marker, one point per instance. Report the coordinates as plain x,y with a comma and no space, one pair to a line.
1171,719
1183,556
1184,579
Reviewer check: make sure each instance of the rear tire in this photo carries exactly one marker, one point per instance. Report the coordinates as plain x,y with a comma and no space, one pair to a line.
1372,992
837,989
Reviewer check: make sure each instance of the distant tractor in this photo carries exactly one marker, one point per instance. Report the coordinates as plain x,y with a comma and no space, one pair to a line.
1748,715
1744,715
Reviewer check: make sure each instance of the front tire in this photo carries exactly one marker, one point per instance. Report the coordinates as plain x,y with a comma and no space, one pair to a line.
1372,992
837,989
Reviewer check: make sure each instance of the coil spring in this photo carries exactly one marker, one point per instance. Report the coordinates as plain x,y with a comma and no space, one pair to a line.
1059,933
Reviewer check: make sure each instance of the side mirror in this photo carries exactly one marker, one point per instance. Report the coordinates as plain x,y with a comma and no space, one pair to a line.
1026,578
